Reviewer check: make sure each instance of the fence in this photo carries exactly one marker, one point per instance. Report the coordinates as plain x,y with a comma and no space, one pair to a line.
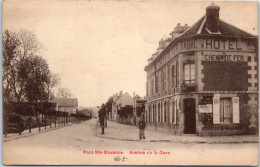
15,123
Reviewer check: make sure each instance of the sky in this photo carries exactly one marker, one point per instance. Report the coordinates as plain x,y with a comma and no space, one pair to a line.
101,47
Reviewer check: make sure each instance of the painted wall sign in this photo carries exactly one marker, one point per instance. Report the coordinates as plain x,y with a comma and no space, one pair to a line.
223,44
224,57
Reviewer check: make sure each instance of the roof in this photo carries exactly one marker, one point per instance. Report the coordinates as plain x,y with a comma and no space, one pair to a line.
225,29
125,99
199,29
66,102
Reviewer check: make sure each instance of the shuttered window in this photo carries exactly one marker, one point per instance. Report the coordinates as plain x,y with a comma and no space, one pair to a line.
226,110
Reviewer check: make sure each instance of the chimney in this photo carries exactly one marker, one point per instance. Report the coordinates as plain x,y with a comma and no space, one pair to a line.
161,42
212,16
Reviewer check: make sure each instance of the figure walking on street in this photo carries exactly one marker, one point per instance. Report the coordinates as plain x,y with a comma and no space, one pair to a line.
101,116
141,128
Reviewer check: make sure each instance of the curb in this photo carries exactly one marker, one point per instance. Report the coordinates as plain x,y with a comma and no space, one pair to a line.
32,134
183,142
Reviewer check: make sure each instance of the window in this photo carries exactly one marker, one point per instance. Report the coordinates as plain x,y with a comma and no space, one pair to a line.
177,74
165,112
157,81
150,113
164,79
173,77
153,88
189,73
159,113
154,113
225,110
169,118
173,112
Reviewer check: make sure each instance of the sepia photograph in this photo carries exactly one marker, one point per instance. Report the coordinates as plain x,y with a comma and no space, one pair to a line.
130,82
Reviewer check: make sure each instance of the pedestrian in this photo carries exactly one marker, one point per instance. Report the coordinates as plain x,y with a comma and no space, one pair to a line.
101,116
141,128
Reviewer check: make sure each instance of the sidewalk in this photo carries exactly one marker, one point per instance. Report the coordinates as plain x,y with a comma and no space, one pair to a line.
123,132
34,131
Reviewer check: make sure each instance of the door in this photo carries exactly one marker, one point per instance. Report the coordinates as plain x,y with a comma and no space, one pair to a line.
189,116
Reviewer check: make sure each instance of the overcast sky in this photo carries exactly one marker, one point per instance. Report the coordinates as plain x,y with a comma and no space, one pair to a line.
101,47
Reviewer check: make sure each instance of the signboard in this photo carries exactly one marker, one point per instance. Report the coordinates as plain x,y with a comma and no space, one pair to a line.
206,100
223,57
206,108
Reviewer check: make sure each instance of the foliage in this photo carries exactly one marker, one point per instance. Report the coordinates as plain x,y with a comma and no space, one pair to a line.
64,92
26,75
125,111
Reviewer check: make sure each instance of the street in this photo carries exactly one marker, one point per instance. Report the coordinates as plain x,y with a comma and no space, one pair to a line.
78,144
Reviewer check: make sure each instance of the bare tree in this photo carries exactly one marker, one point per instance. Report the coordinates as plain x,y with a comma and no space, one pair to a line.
63,92
53,81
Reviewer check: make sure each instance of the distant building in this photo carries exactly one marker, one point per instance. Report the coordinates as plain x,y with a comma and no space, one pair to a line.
68,105
122,104
204,80
138,108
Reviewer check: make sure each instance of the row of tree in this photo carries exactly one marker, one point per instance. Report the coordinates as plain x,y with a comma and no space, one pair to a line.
26,75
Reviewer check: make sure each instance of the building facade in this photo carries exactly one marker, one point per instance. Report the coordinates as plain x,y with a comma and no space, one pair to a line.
68,105
204,79
122,108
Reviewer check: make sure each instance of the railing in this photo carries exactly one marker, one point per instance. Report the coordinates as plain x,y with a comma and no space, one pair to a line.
15,123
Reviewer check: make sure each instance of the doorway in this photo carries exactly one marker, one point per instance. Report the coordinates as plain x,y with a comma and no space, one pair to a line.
189,116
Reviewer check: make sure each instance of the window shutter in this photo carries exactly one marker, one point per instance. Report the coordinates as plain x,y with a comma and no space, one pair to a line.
235,102
216,104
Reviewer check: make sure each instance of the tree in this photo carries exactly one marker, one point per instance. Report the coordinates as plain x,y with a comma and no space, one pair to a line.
63,92
26,75
109,104
37,79
17,47
10,46
53,81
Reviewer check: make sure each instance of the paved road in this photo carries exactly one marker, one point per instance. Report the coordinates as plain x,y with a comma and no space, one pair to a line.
66,146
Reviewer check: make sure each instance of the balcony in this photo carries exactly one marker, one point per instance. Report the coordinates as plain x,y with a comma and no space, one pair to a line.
188,87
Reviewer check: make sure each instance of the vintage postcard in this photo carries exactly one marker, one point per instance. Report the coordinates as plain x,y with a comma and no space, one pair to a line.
136,82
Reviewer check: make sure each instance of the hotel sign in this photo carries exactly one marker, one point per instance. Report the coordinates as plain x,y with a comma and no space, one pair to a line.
213,44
